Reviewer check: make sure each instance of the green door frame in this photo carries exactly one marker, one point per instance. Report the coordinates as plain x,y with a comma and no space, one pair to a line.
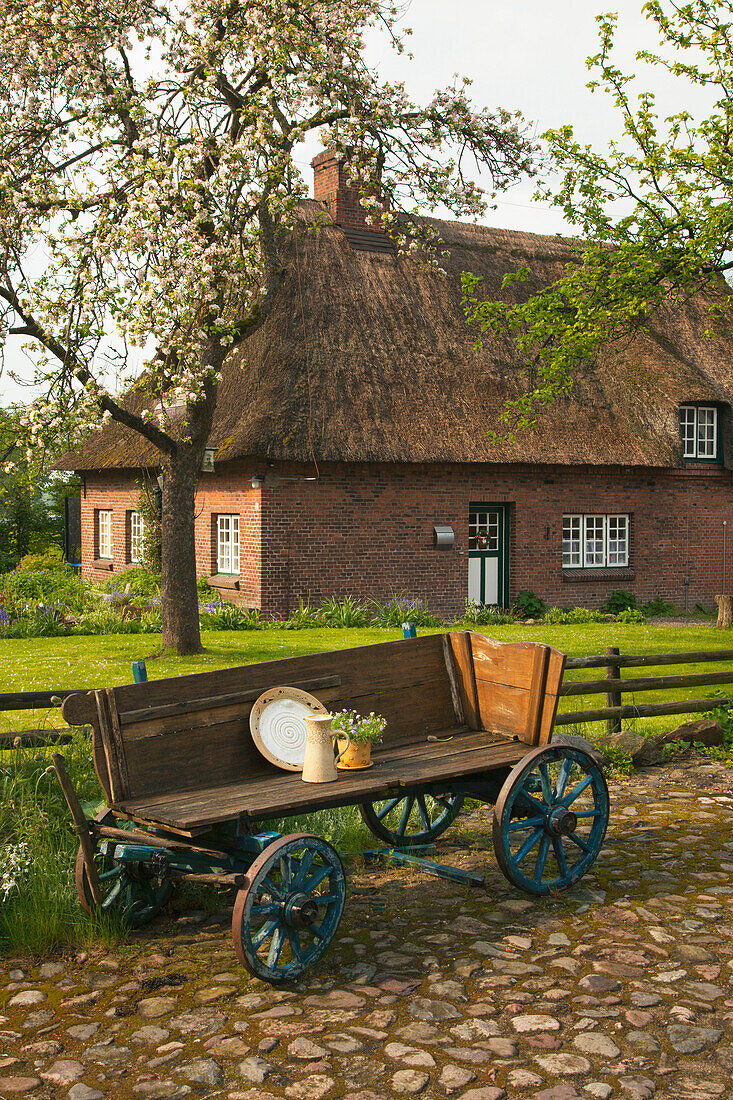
502,552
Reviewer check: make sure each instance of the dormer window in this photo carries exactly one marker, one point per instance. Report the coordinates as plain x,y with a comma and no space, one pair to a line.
699,430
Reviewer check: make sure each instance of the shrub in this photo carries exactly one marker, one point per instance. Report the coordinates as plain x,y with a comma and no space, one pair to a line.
204,589
303,618
8,561
619,600
22,591
347,612
658,606
484,615
528,605
217,615
42,621
402,609
139,580
631,615
574,615
51,560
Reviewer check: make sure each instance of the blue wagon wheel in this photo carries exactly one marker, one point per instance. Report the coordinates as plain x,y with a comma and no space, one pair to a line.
134,890
550,819
411,819
288,913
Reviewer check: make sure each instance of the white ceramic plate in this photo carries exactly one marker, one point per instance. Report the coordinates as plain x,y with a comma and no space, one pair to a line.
277,722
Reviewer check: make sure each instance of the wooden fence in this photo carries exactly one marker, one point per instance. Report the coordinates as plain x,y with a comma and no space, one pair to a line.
613,686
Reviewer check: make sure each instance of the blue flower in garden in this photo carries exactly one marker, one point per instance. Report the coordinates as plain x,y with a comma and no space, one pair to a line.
4,617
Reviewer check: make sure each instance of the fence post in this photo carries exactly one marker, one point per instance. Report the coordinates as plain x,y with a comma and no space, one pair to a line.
613,698
139,672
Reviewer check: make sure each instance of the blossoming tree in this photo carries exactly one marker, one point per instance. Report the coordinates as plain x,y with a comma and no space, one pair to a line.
147,183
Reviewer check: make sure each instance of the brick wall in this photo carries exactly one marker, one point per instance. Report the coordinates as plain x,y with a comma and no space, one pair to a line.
367,530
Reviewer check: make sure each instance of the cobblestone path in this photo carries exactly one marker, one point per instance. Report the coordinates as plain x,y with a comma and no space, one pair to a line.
621,988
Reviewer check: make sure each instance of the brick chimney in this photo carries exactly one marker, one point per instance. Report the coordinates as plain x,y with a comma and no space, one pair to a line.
330,186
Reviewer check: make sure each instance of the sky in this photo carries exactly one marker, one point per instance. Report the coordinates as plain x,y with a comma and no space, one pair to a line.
521,54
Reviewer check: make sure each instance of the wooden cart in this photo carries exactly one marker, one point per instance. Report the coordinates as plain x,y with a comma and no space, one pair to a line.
466,716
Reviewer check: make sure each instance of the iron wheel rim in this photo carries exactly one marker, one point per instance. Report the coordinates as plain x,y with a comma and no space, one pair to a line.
551,817
276,935
412,819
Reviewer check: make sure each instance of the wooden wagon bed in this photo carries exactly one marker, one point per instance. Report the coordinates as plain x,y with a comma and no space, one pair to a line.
466,716
178,752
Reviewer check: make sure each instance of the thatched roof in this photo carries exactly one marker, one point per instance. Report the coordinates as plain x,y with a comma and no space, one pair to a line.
381,366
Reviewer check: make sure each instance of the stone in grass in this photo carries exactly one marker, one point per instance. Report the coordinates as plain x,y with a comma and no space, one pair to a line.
201,1071
409,1080
453,1078
255,1070
314,1087
574,742
705,730
535,1022
691,1040
80,1091
16,1086
637,1088
595,1042
642,750
63,1072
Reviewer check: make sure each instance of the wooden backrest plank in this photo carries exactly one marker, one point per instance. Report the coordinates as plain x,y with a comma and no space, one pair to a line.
406,681
460,643
513,681
555,667
531,733
453,681
110,756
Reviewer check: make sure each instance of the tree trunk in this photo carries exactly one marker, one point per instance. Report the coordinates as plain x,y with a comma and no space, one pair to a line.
179,597
181,470
725,612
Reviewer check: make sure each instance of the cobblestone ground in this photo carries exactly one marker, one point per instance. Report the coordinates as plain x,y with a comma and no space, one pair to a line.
621,988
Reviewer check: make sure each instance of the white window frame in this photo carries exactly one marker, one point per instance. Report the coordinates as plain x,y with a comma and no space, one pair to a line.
227,544
596,540
696,442
104,533
137,534
572,542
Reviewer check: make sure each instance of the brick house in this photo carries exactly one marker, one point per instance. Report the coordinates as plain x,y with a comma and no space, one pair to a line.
349,452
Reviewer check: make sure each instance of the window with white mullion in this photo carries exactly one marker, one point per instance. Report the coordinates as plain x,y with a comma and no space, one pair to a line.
227,544
699,431
594,549
706,433
688,428
137,531
572,542
104,533
617,540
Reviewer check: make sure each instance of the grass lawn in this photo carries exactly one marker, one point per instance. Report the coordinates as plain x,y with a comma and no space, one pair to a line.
104,661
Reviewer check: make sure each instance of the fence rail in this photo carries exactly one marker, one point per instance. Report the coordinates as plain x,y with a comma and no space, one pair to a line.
613,686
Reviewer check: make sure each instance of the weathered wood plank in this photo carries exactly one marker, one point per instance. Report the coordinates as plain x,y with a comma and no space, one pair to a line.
531,734
453,680
291,795
629,684
643,710
628,660
555,668
192,706
105,733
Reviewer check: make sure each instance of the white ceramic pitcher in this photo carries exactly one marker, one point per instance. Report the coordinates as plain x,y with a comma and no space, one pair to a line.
319,765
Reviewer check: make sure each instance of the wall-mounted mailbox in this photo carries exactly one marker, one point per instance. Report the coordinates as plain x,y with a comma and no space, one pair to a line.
443,538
